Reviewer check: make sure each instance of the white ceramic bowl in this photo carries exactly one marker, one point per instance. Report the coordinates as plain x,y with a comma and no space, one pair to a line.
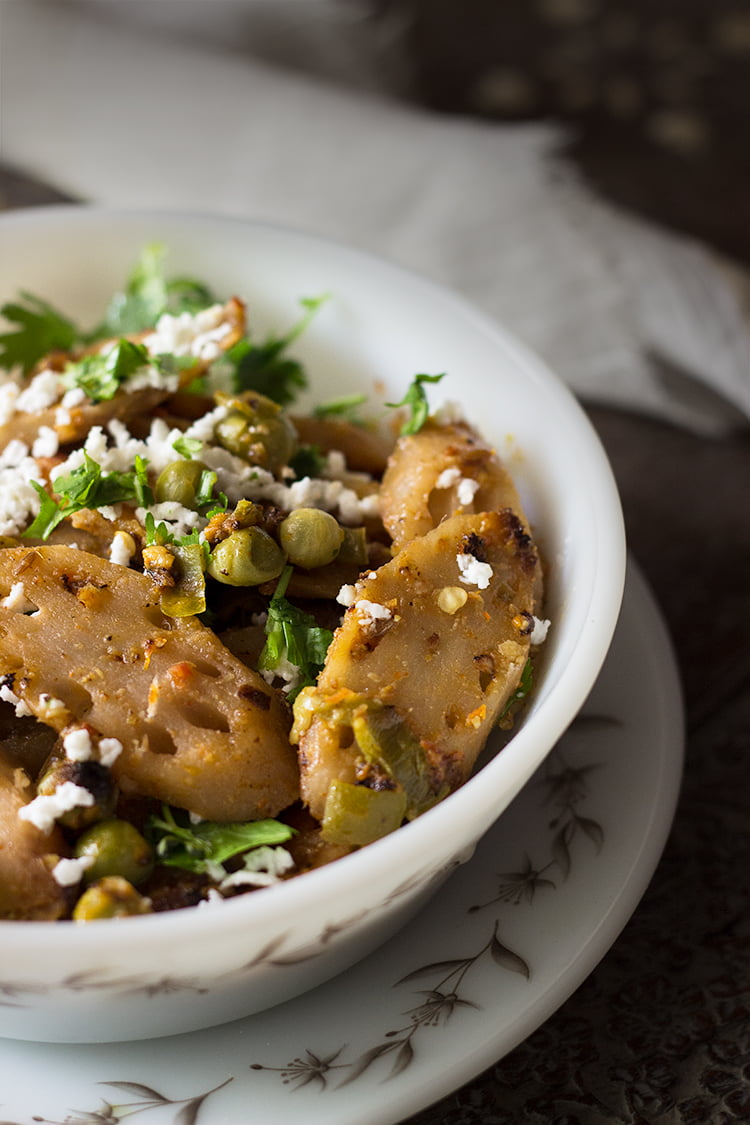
180,971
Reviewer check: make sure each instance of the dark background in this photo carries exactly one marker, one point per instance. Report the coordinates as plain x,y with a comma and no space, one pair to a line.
657,93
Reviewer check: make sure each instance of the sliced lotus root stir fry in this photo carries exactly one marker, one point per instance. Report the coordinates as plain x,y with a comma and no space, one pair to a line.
236,641
440,470
197,727
389,713
141,371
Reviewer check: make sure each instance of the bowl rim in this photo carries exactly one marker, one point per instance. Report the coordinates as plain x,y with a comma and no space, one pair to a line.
529,745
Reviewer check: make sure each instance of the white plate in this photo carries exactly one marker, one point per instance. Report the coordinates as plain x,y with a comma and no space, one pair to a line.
507,940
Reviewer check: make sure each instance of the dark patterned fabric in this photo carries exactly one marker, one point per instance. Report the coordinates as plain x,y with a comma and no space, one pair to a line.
656,92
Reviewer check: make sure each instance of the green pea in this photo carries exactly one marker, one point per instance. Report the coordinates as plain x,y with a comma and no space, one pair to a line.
110,897
247,557
90,775
180,481
256,429
117,848
310,537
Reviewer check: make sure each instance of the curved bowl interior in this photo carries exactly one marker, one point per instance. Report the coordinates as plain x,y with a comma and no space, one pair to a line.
378,328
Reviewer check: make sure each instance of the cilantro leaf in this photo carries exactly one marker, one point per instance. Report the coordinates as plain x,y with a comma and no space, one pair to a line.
147,294
195,847
294,636
159,534
343,407
220,507
308,461
416,399
187,447
261,368
143,299
185,294
265,368
88,487
141,488
311,306
41,329
49,516
100,375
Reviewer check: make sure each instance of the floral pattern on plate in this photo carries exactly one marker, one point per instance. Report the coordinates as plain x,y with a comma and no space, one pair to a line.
508,938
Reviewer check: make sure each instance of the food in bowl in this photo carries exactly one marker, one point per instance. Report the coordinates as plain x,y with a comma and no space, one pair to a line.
236,642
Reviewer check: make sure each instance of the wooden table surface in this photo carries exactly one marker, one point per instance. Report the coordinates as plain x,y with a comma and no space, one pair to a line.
684,957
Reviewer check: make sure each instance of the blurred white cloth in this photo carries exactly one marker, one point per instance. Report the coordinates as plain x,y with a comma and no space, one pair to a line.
122,113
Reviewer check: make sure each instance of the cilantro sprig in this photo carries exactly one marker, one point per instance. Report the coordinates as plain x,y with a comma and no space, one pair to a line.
200,847
212,505
343,407
416,400
147,294
307,461
158,534
265,367
101,374
187,447
88,487
294,636
41,329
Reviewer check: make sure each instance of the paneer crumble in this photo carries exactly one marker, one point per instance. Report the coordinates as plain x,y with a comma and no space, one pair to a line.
236,642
